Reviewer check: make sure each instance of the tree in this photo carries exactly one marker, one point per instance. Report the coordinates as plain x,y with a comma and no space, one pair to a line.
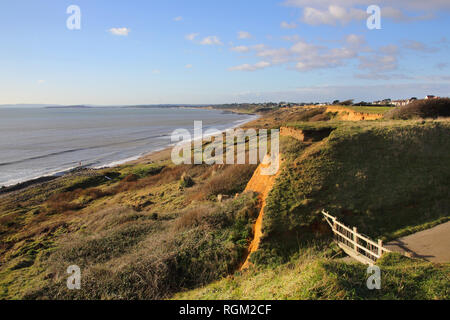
347,102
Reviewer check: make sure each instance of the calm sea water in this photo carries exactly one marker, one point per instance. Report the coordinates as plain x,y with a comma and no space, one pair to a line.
35,142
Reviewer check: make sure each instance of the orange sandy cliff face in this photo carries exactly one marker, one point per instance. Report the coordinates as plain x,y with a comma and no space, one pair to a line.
289,132
261,184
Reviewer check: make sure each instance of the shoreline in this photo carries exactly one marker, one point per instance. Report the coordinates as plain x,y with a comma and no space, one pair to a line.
4,190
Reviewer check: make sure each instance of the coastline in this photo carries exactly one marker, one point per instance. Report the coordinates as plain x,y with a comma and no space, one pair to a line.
153,155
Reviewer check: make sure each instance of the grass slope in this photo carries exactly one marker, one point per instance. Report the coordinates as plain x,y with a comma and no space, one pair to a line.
143,234
386,178
152,229
312,275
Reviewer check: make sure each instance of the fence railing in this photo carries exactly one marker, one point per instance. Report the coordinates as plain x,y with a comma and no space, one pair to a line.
353,243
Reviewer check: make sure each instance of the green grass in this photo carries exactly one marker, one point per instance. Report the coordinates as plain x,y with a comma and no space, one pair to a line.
313,275
386,178
417,228
147,259
141,170
369,109
146,235
136,236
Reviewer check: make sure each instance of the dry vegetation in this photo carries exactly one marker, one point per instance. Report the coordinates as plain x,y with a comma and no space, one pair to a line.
146,232
280,117
422,109
152,229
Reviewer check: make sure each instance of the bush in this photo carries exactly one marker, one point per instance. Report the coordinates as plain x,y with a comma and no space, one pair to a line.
193,217
131,178
433,108
186,181
233,179
89,182
321,117
154,259
309,115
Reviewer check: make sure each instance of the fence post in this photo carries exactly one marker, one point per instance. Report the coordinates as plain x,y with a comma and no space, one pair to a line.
380,247
355,238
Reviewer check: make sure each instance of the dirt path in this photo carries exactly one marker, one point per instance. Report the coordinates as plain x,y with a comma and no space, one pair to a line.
432,244
261,184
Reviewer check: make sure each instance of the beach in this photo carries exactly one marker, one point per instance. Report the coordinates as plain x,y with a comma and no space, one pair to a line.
128,149
47,142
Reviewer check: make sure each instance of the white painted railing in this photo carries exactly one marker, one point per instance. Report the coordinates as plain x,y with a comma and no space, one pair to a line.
353,243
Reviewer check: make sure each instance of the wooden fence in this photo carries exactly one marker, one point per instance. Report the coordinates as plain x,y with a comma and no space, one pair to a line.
355,244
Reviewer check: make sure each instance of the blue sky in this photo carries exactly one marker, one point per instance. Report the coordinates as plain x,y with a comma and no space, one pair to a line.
175,51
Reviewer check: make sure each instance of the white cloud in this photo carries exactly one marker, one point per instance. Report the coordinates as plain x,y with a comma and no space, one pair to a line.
390,49
378,62
191,36
304,48
418,46
211,40
240,49
277,56
355,40
120,31
316,12
329,59
305,56
41,81
382,76
360,92
399,16
247,67
293,38
244,35
332,16
405,4
188,66
178,19
286,25
259,47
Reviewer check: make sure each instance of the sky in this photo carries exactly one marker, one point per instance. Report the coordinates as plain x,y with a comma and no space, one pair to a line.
209,52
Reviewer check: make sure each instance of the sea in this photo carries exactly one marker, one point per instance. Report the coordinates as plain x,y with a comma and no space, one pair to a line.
46,141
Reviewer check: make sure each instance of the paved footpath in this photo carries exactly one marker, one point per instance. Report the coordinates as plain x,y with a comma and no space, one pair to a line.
432,244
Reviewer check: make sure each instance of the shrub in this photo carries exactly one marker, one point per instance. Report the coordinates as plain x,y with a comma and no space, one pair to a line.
131,178
433,108
145,171
132,181
148,260
186,181
89,182
95,193
308,115
233,179
193,217
321,117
